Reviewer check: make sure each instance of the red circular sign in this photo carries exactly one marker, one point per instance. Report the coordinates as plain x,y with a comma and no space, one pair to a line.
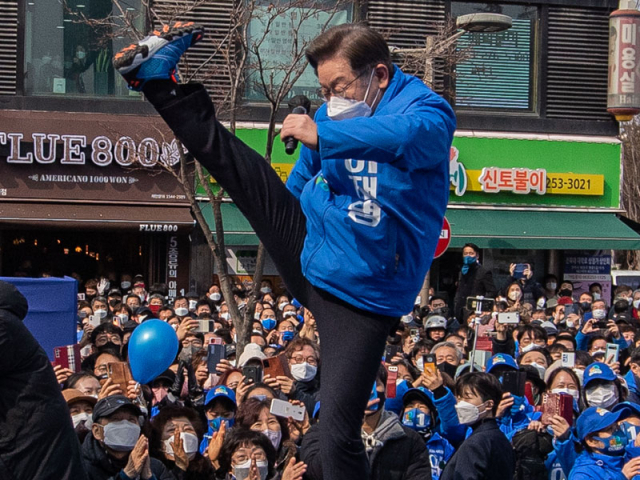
444,240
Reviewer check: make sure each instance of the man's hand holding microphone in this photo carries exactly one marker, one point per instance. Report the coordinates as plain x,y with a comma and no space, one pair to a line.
299,126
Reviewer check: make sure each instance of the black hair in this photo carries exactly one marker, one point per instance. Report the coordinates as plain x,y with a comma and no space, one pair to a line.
583,358
535,332
241,437
473,246
541,350
567,336
360,45
438,297
72,381
107,327
485,385
594,338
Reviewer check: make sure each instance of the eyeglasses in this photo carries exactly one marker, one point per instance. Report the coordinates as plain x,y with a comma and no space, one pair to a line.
104,338
297,359
327,93
195,343
240,458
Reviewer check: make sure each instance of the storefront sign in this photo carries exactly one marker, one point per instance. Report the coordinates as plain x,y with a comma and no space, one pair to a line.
87,157
172,266
623,98
516,180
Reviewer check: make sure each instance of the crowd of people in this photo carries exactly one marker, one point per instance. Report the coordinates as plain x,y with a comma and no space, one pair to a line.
437,408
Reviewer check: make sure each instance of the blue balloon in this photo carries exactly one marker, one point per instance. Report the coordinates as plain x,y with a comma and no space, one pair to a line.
153,347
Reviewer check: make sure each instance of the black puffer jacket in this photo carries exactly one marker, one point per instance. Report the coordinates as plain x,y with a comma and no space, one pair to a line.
100,466
37,440
477,281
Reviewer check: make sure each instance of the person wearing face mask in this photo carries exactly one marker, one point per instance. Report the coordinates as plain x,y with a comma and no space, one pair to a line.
550,286
531,289
473,280
219,407
356,259
81,409
604,445
486,453
304,363
420,414
247,455
565,290
601,386
515,302
162,396
174,440
633,378
115,448
100,307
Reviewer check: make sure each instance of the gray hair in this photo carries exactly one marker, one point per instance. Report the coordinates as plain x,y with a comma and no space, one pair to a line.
450,345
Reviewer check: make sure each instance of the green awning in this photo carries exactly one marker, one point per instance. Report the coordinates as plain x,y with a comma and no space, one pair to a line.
506,229
511,229
237,230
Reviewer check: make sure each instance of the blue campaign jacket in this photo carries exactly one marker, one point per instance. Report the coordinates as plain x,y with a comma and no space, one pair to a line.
561,459
440,451
374,195
593,466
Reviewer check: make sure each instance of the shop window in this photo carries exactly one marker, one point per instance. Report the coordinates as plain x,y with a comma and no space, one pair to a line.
500,73
274,39
66,55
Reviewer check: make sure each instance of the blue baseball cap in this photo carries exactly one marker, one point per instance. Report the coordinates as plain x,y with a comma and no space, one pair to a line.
629,407
220,392
597,371
420,394
501,360
594,419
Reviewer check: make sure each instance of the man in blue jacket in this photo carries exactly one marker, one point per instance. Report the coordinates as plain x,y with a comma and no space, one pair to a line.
354,233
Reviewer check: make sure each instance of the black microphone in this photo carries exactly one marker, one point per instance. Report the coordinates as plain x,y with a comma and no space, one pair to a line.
299,105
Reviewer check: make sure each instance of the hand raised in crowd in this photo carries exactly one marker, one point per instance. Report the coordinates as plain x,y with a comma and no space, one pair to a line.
613,329
561,428
133,390
215,445
223,366
299,428
271,382
588,327
102,285
147,473
62,374
272,337
631,468
185,327
254,473
294,470
109,388
615,366
505,405
431,380
137,458
501,331
181,457
398,358
242,389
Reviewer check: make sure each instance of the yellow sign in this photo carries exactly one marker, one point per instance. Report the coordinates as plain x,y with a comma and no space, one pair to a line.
556,183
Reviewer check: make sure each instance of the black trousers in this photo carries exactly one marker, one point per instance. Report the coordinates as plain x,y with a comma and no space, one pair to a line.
352,340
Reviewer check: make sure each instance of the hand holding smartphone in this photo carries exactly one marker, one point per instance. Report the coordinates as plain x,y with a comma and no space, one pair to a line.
284,409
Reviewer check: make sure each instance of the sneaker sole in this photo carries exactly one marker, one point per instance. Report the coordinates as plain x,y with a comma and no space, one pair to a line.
131,57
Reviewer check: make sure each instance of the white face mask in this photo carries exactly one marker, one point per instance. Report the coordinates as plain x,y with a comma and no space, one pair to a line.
540,368
552,285
256,316
289,314
182,311
265,290
636,304
80,55
274,436
340,108
407,318
515,295
190,444
225,316
599,313
281,305
468,413
123,317
81,418
579,373
303,372
528,348
125,285
121,436
603,396
420,364
101,313
192,304
597,296
541,302
569,391
215,296
241,472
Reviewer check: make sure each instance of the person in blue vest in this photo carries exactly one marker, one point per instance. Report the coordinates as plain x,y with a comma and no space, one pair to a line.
354,231
605,445
420,414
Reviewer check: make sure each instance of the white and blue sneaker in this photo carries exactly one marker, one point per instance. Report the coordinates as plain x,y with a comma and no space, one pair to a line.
156,57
